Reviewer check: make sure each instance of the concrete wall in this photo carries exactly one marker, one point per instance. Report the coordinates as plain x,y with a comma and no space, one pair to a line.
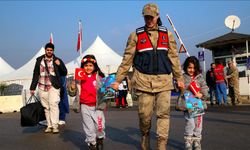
244,86
11,103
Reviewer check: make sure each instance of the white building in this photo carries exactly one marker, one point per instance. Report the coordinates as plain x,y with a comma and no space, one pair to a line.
232,46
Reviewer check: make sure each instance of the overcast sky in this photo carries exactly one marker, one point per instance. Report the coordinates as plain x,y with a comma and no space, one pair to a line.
26,26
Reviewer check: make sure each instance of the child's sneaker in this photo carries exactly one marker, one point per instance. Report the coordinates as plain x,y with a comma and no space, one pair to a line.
197,143
99,143
92,146
188,143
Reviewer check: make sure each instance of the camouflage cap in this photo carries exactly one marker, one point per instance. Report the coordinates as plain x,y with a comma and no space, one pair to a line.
150,10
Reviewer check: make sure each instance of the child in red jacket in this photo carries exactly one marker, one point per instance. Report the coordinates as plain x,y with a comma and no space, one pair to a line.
93,120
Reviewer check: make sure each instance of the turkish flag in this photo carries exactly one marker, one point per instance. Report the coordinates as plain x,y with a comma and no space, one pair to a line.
80,74
78,42
79,38
51,38
194,88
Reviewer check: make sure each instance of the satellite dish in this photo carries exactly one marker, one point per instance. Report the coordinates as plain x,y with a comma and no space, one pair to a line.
232,22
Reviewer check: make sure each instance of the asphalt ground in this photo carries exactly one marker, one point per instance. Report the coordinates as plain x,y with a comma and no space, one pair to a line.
225,128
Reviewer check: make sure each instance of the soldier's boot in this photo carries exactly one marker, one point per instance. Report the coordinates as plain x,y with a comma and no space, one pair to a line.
239,101
145,130
233,101
188,142
197,143
161,143
145,142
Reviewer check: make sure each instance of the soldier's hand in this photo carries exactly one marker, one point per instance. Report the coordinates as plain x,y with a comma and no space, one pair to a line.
114,85
180,84
57,62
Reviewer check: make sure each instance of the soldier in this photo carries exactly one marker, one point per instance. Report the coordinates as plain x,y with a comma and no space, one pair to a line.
211,82
233,83
152,52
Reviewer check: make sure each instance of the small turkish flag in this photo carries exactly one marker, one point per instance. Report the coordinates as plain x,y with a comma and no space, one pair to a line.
194,88
80,74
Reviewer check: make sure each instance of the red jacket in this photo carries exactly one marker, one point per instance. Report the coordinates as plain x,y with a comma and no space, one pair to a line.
88,91
219,73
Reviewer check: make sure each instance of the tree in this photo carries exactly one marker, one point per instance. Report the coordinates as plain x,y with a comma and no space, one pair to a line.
2,87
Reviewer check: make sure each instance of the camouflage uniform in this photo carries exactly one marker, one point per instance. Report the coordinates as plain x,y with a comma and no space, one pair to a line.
233,84
152,90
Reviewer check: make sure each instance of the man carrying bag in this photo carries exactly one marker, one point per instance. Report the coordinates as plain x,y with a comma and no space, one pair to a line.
47,75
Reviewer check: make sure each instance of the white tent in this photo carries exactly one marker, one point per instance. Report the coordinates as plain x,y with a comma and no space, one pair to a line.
5,67
23,76
107,59
25,72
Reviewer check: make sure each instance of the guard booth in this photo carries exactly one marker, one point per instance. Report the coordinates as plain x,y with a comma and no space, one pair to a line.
232,46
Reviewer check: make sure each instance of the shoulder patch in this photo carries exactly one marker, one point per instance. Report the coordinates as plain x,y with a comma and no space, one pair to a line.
162,28
140,30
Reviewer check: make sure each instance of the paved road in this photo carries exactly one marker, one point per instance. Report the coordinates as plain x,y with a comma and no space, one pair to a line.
224,129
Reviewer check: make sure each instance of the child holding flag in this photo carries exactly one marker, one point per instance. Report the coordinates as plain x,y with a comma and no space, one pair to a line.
194,83
93,120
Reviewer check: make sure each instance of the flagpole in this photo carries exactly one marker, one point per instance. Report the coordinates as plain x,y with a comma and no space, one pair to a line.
51,38
81,37
178,36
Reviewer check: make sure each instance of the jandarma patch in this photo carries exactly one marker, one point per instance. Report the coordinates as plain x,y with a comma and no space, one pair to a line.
143,41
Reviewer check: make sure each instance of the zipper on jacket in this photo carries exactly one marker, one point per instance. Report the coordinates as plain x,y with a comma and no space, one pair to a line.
155,62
